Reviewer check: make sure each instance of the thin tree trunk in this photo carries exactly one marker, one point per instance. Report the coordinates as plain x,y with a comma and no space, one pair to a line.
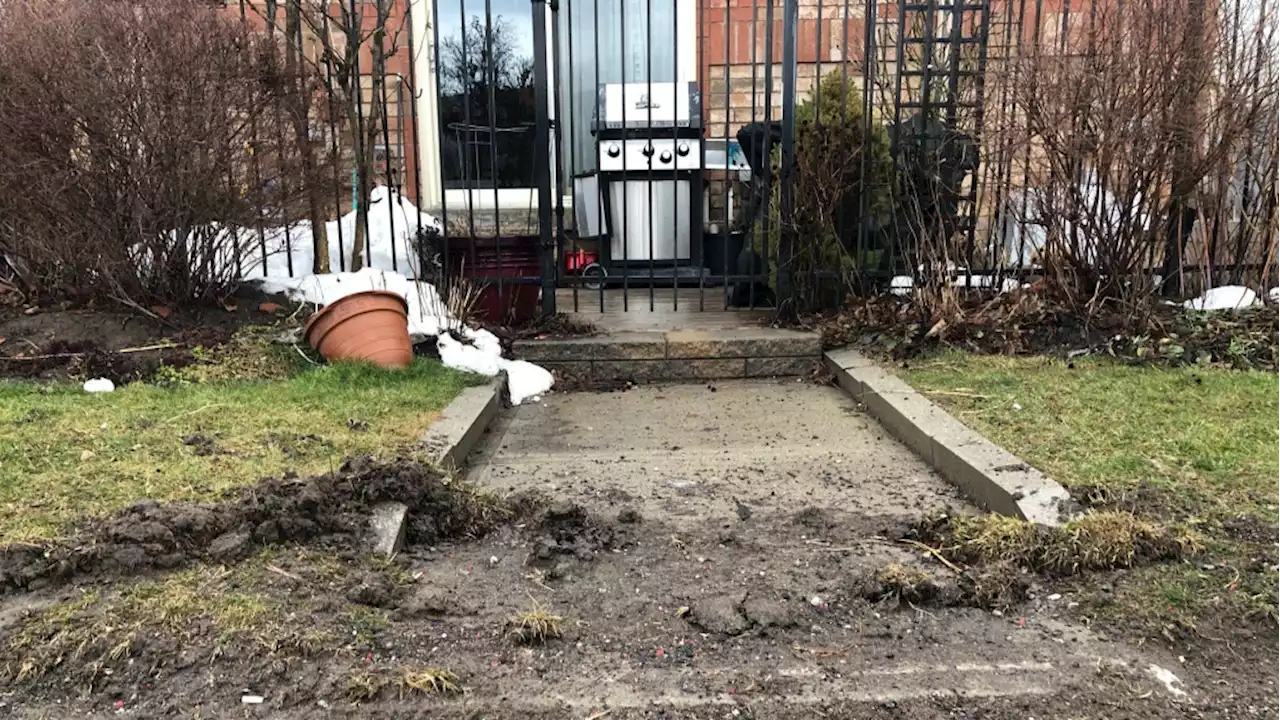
300,113
1182,210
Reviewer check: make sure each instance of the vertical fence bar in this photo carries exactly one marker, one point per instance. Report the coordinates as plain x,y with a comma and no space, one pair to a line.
1025,199
542,156
464,76
381,84
491,81
418,236
256,172
626,274
605,221
281,173
979,129
558,122
748,232
786,305
650,137
572,170
767,153
865,181
695,189
334,153
361,210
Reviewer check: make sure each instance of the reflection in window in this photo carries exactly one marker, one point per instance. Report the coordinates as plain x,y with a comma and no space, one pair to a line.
487,102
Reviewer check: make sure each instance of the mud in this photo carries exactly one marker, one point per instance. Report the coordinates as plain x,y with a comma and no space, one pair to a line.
331,509
59,342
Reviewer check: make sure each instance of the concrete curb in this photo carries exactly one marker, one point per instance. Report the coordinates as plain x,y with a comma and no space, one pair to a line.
448,441
990,475
463,423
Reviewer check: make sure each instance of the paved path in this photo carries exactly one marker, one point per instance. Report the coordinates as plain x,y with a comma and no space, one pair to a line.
781,493
688,452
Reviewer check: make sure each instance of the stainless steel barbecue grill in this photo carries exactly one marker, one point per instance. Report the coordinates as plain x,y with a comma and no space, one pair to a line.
648,137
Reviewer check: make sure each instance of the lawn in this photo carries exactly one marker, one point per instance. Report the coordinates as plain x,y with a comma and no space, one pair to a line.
1187,447
65,454
1207,438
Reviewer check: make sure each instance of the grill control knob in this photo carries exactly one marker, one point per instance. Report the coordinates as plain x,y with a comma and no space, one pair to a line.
614,150
665,156
683,149
648,151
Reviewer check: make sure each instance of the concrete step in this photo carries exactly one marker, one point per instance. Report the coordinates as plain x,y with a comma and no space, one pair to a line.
678,355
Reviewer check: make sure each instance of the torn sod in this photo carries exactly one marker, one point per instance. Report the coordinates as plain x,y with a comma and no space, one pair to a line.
1095,541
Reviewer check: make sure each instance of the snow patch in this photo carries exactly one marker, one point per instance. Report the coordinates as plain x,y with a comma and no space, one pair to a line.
394,223
99,385
903,285
1227,297
1168,679
391,237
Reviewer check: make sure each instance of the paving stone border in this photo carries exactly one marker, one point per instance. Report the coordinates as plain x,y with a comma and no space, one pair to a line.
677,355
461,425
449,439
990,475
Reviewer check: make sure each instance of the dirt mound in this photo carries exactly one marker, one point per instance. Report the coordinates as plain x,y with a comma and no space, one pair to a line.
334,506
566,532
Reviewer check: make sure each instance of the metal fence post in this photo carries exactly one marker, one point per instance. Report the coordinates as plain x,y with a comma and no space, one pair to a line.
786,238
542,154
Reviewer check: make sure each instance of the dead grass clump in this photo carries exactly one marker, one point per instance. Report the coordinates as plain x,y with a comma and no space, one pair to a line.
895,583
990,587
364,685
1000,585
536,625
995,539
87,636
430,681
1095,541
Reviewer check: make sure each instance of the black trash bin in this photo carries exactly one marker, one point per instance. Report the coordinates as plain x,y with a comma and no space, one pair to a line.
720,253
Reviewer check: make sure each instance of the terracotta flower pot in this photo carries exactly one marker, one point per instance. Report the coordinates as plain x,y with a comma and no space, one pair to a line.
371,326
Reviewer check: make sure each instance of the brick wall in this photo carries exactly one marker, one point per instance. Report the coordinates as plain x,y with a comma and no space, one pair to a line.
737,43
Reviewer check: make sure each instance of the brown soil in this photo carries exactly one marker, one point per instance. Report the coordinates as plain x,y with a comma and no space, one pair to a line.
664,621
56,342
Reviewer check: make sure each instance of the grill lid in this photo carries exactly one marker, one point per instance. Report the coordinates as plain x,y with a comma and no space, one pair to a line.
637,106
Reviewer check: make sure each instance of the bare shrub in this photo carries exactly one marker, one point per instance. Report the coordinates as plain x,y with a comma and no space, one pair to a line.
839,185
127,134
1143,121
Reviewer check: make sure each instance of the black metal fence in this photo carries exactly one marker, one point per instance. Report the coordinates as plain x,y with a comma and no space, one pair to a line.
599,155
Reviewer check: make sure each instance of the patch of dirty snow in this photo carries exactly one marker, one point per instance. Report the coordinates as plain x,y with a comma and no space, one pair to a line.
394,222
1168,679
902,285
390,237
1226,297
99,385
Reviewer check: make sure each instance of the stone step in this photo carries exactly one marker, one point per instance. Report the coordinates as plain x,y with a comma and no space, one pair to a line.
678,355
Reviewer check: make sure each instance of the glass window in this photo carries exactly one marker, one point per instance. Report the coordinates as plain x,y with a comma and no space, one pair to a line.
487,102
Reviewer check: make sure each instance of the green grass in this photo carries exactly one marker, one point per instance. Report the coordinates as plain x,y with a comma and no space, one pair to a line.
1205,437
65,454
1180,447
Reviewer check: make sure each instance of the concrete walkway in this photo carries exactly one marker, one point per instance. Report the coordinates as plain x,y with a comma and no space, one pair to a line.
760,504
692,452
